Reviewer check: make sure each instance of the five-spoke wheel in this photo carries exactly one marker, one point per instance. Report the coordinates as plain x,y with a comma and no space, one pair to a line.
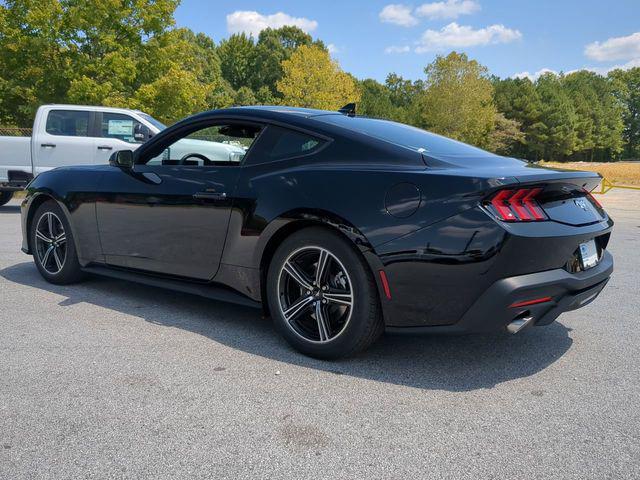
314,293
51,243
322,295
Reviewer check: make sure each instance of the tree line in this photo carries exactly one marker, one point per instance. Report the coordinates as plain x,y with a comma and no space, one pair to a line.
131,54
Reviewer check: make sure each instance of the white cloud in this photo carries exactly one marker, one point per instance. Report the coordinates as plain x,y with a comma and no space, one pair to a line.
398,14
253,23
397,49
333,49
448,9
599,70
462,36
616,48
534,76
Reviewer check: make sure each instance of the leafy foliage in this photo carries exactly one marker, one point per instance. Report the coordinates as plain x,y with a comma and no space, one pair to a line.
626,89
457,100
129,53
312,79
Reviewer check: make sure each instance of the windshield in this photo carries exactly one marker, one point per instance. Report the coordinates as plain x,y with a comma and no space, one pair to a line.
156,123
405,135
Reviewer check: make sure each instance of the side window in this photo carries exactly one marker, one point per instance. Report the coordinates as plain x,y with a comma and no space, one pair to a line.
69,123
279,143
217,145
123,127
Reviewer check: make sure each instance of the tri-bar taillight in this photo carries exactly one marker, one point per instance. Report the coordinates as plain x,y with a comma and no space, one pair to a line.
518,205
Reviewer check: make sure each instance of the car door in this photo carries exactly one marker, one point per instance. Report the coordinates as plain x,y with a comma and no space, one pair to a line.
170,213
63,140
117,131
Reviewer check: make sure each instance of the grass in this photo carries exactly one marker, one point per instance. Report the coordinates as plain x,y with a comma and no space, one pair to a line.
623,173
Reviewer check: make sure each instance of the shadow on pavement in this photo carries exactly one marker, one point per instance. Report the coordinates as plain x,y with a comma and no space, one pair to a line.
10,209
449,363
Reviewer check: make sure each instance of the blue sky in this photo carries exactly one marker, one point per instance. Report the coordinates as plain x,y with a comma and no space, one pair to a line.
371,38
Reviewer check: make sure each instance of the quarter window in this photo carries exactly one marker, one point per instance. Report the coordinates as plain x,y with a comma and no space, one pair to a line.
68,123
289,143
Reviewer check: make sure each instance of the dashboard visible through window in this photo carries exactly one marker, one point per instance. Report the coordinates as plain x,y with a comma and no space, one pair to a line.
217,145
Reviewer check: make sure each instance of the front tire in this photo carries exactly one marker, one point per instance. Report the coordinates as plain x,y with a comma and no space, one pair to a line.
5,197
322,296
53,247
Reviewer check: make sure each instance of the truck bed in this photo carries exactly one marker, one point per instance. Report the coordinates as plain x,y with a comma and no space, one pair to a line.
15,156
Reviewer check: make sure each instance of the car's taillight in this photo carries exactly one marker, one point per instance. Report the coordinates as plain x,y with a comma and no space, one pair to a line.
593,199
517,205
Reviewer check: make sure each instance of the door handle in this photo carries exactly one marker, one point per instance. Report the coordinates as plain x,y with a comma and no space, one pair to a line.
210,195
48,145
104,147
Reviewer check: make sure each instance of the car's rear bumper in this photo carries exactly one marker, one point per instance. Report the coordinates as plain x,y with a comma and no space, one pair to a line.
493,310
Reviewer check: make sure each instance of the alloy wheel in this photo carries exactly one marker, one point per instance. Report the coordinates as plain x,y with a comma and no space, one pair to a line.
51,243
315,294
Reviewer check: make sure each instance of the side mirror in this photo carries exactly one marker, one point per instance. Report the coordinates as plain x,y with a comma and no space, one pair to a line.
141,133
122,159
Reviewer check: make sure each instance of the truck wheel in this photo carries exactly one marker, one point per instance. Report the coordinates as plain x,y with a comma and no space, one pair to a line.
5,197
322,296
54,251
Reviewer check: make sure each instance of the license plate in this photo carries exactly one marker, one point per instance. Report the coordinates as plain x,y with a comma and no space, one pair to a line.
588,254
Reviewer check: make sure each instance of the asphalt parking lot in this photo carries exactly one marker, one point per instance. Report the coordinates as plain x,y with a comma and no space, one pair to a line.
108,379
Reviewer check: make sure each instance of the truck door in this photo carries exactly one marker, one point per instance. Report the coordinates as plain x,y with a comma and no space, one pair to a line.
117,131
62,138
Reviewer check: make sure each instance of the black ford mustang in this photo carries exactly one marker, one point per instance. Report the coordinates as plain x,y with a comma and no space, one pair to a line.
339,226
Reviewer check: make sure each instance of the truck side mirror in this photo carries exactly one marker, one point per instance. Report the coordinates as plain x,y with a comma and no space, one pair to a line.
122,159
141,133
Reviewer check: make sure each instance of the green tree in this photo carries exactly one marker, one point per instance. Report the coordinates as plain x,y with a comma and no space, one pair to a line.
272,48
558,138
507,137
125,54
244,96
518,100
312,79
173,96
457,100
237,57
599,125
626,89
375,100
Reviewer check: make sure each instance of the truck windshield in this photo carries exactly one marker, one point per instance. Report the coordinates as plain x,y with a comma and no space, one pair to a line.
156,123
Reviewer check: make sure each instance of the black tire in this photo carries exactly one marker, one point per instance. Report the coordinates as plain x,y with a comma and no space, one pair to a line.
70,271
5,197
364,325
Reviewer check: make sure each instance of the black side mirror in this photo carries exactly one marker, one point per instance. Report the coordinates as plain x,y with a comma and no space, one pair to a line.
122,159
141,133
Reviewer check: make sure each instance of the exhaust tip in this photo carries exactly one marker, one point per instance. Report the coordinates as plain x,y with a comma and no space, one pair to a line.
518,324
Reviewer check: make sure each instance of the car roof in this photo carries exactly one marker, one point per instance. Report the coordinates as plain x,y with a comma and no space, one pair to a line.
298,111
93,108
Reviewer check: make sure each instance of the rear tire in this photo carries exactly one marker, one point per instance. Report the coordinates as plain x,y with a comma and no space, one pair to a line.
53,246
5,197
332,314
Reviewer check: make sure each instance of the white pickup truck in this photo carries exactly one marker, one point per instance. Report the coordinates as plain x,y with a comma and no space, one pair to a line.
74,135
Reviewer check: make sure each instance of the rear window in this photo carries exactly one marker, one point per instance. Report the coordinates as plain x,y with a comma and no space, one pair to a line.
68,123
405,135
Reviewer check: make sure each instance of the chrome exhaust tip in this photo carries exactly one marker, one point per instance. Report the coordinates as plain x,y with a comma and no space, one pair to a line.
518,324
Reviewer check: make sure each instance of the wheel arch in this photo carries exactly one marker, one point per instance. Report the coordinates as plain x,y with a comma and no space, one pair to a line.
36,201
291,222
